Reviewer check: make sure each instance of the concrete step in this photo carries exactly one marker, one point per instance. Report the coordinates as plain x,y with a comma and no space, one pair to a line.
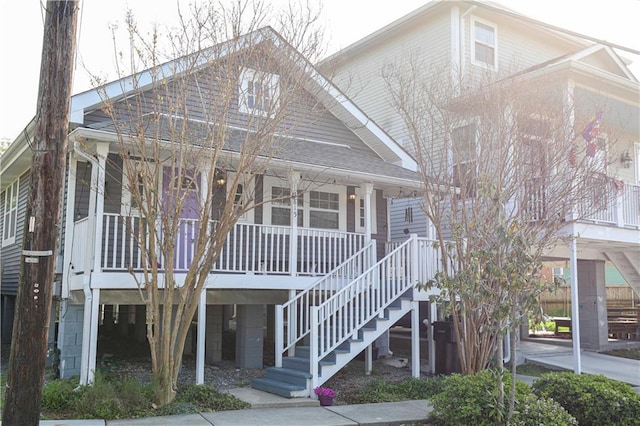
277,387
287,375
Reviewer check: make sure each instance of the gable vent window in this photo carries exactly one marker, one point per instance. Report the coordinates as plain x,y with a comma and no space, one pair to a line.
484,44
258,92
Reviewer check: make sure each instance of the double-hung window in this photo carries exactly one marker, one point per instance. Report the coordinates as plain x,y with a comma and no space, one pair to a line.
464,158
258,92
484,44
281,207
10,213
324,210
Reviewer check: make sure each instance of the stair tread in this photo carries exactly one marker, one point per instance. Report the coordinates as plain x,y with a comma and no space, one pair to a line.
277,383
289,371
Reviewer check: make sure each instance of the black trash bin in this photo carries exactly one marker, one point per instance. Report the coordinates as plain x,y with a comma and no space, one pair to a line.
446,346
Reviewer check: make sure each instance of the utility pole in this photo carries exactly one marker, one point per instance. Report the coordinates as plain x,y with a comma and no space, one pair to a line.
37,268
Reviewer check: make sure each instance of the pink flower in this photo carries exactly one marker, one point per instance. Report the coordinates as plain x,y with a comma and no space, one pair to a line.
322,391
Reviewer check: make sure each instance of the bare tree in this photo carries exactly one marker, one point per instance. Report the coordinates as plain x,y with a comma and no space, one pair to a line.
505,168
194,134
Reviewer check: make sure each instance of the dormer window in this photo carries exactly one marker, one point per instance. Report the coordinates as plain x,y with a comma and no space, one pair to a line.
484,45
258,92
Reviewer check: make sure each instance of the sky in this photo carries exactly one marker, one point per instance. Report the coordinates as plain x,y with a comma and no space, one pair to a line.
345,21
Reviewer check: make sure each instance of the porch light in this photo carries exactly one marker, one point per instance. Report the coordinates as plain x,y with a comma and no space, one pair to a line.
626,160
221,181
352,197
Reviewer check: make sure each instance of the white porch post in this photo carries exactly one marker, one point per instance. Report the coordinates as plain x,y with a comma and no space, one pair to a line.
93,340
201,334
368,191
294,179
619,209
415,309
575,316
102,150
69,222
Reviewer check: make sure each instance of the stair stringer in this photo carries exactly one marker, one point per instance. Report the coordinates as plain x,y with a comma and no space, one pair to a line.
366,337
629,270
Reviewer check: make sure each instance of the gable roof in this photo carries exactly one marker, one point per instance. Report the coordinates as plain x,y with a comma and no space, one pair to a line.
435,6
333,99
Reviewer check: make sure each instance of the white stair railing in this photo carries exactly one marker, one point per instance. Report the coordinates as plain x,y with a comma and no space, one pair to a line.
296,311
342,315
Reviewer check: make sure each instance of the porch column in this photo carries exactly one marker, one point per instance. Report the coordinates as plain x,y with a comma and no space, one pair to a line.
93,340
102,150
294,179
415,338
201,333
249,336
433,316
69,222
592,304
575,313
368,190
215,328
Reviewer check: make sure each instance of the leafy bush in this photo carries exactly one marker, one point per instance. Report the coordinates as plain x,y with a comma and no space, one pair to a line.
534,411
472,399
114,399
591,399
59,395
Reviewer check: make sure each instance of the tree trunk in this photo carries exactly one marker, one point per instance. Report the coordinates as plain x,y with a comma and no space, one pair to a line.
37,269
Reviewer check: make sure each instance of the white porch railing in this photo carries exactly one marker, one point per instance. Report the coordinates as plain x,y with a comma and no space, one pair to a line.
341,316
296,312
619,207
249,248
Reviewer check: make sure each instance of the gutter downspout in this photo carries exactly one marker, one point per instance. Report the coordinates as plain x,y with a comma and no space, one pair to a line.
86,287
461,51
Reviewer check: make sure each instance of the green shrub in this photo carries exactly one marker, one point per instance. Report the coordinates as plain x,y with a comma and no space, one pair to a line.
591,399
472,399
534,411
59,395
114,399
421,388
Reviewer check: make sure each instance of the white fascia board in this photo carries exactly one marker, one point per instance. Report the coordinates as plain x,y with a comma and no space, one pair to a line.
126,85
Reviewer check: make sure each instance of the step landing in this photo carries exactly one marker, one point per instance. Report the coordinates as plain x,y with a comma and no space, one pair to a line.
260,399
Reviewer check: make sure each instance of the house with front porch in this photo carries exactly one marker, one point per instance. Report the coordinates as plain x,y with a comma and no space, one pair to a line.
484,41
306,261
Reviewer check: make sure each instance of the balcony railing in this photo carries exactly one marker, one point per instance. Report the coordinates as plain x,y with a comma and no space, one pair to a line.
619,208
248,248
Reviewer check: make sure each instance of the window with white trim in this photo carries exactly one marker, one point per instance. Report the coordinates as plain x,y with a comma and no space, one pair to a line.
258,92
484,44
10,218
133,169
464,158
281,207
324,210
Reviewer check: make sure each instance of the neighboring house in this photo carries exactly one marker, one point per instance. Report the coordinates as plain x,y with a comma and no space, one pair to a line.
471,38
343,166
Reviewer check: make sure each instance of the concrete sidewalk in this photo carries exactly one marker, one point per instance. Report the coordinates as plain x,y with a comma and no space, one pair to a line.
561,357
385,413
271,410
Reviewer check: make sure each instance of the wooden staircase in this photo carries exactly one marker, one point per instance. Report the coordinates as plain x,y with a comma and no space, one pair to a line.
325,326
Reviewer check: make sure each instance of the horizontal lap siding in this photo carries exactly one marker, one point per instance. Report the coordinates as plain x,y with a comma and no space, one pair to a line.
11,254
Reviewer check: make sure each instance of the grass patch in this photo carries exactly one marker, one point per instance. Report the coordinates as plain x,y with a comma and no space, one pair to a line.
412,389
533,370
625,353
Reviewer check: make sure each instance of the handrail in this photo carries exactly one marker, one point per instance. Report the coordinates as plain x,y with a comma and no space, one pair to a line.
297,309
340,317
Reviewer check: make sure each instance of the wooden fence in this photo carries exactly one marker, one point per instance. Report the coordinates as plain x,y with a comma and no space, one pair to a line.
558,303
